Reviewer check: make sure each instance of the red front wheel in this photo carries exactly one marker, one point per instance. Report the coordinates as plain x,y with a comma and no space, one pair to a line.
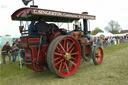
97,55
63,56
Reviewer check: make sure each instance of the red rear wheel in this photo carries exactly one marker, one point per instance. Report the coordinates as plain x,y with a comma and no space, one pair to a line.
64,56
98,55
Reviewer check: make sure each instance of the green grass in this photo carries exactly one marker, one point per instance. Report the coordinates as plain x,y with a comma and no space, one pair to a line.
115,48
112,71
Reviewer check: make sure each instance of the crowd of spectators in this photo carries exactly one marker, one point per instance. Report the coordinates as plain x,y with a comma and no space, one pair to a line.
107,41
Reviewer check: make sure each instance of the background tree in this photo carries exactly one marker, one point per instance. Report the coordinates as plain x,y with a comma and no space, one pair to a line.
96,30
113,27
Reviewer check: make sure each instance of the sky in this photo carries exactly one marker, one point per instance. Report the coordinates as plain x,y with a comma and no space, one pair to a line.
104,10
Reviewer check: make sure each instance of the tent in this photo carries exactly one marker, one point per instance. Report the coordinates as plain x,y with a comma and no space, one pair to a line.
105,34
120,35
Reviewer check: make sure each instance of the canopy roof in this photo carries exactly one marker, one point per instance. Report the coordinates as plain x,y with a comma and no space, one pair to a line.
105,34
28,14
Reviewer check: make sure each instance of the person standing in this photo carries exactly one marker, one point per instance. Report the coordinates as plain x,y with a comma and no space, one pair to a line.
102,41
41,26
31,28
14,52
6,52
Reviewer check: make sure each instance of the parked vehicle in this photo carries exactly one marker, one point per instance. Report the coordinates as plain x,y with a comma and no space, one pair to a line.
64,48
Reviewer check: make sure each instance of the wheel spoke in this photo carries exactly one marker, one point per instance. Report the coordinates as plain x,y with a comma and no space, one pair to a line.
64,43
63,67
67,47
58,54
60,66
71,46
58,48
59,62
73,58
99,53
66,67
72,50
96,54
57,58
62,47
76,53
69,65
72,63
97,59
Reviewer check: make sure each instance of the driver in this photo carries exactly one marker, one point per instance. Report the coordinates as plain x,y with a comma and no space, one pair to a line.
41,26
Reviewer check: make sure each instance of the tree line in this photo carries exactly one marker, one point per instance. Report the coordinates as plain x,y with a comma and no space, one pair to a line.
112,27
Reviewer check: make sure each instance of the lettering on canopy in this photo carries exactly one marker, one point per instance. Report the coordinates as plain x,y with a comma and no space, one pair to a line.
62,14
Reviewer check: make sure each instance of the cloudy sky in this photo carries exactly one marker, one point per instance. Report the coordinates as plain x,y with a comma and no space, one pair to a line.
104,10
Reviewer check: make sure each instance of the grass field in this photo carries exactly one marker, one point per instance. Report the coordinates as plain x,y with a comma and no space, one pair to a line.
112,71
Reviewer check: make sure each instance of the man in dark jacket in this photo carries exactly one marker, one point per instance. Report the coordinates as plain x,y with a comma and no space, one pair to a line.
6,52
41,26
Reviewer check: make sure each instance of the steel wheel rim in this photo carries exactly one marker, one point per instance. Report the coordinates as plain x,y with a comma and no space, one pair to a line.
99,55
66,56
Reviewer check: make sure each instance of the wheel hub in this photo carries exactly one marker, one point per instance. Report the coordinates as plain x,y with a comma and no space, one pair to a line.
67,56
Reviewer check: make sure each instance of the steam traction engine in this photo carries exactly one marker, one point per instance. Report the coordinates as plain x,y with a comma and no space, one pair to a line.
63,49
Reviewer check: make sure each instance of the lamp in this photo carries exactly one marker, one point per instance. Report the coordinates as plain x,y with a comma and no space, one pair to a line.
26,2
